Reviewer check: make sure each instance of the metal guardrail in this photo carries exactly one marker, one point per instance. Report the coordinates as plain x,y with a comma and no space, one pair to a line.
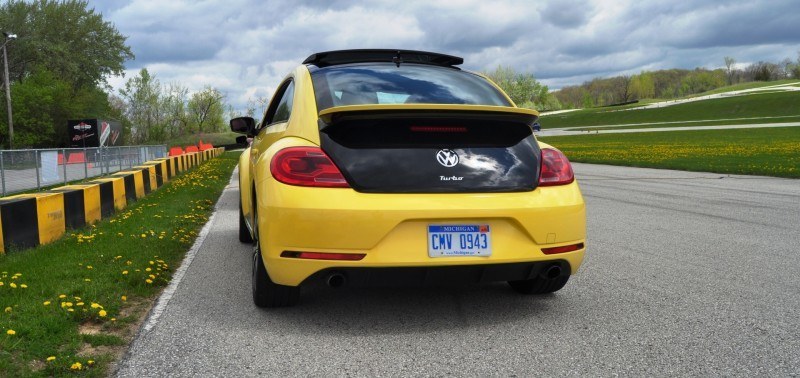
22,170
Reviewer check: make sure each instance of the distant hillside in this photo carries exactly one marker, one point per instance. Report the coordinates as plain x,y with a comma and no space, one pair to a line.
671,83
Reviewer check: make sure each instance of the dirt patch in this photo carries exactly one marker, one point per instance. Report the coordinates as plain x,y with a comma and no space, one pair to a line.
138,310
36,365
90,329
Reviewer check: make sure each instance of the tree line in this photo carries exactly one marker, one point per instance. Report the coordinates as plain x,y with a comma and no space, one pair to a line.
58,68
671,83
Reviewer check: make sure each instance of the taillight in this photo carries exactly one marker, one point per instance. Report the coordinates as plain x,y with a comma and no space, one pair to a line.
556,169
438,129
306,166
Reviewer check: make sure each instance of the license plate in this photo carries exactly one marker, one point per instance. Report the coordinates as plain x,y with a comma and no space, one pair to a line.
459,240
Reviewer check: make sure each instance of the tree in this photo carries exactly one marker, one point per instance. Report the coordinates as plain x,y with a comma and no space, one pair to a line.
729,62
206,110
173,103
642,86
523,88
58,67
142,94
621,89
66,38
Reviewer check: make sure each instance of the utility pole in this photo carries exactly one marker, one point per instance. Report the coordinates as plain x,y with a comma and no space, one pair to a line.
9,38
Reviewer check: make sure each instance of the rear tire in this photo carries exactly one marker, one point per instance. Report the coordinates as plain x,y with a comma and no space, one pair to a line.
265,292
539,285
244,232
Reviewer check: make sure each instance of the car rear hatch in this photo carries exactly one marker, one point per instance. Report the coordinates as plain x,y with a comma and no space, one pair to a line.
424,148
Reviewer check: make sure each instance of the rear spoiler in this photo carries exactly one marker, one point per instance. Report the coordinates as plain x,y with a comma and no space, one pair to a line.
352,112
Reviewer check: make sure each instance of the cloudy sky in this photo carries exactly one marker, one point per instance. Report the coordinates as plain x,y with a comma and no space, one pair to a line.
245,47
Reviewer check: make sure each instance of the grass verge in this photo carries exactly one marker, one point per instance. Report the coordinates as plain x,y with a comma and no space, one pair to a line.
752,105
73,305
768,151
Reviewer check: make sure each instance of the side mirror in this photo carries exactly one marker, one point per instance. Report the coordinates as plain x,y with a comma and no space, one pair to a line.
243,125
241,140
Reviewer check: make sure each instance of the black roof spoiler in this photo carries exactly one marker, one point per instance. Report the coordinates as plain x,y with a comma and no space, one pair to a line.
332,58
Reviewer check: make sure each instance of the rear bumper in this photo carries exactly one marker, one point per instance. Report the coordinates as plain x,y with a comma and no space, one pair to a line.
391,229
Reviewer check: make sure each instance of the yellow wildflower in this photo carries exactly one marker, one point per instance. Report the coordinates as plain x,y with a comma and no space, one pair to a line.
51,358
90,362
46,303
148,281
124,272
8,309
124,298
11,332
102,313
76,366
23,286
62,296
13,285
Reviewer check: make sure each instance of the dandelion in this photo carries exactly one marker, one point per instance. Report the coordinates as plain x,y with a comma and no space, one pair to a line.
11,332
76,366
87,280
90,362
13,285
51,358
46,303
79,304
102,313
23,286
124,272
124,298
113,319
96,305
8,310
62,296
144,236
148,281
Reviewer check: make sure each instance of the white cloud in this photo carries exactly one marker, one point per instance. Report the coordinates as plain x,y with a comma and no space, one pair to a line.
245,47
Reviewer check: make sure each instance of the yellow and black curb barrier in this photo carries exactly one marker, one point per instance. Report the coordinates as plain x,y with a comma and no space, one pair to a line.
28,220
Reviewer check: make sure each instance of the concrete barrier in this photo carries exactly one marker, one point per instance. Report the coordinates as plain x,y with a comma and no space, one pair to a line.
28,220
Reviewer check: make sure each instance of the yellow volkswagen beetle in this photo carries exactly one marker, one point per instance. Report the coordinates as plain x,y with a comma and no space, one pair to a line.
393,166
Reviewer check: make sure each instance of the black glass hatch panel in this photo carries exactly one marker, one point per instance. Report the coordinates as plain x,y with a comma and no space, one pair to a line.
434,156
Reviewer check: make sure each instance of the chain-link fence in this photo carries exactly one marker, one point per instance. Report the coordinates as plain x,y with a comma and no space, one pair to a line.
22,170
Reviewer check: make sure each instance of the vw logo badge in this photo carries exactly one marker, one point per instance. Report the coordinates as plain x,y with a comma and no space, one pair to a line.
447,158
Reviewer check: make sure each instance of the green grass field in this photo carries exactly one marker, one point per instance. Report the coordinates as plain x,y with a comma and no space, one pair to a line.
749,85
753,105
690,124
69,306
766,151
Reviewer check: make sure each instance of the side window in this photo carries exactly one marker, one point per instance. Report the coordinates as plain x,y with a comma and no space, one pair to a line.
281,109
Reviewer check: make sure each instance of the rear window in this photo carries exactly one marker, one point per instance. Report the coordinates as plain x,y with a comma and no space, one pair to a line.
385,83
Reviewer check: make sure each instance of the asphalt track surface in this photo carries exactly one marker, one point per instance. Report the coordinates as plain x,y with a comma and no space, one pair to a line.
686,274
